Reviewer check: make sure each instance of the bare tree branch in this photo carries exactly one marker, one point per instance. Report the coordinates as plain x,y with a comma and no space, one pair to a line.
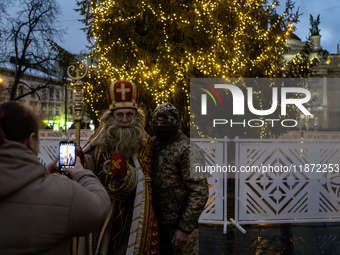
28,39
33,89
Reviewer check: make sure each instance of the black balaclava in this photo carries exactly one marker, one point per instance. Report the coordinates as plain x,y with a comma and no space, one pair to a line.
169,115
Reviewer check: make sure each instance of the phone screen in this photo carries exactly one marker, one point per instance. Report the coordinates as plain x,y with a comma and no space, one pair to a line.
67,155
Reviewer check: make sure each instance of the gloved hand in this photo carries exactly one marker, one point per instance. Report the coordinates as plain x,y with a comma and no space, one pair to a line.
80,154
118,165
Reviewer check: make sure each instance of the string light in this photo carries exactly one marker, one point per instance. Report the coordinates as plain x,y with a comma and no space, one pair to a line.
161,46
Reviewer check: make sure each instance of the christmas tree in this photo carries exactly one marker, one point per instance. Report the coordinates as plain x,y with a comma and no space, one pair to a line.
161,44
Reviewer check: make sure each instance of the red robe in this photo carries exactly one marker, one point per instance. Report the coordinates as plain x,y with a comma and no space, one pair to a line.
130,198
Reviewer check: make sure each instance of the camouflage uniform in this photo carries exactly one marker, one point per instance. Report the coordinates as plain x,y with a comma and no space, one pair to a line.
178,199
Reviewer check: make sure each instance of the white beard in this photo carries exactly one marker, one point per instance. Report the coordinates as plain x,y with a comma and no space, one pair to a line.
128,138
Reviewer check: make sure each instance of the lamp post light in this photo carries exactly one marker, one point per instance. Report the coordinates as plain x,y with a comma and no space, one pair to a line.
78,73
2,81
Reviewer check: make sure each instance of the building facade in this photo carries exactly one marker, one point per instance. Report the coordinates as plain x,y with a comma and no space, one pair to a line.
54,100
323,84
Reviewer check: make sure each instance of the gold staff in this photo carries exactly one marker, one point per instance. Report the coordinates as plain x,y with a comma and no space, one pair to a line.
80,73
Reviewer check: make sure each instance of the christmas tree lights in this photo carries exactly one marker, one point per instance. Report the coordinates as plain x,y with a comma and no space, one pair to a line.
161,44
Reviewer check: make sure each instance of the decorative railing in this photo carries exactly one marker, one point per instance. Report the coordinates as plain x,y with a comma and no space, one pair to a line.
303,185
69,134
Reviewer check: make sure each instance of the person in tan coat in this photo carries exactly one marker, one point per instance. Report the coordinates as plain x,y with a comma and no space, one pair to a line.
40,211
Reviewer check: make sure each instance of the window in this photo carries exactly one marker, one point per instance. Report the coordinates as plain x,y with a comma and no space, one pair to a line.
33,94
44,94
51,93
21,91
57,94
57,111
70,94
50,111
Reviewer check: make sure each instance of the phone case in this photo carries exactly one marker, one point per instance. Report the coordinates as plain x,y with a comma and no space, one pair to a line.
67,155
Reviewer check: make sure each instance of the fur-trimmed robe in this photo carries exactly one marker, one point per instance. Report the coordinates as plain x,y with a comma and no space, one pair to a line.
131,204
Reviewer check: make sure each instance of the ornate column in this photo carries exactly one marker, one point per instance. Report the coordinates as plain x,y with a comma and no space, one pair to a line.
78,73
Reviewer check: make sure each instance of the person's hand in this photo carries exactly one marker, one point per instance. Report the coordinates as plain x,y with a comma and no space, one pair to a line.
118,165
52,167
77,168
180,238
80,154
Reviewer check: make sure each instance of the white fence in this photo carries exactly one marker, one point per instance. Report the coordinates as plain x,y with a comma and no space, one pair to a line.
49,148
291,181
70,133
215,211
327,135
49,142
276,181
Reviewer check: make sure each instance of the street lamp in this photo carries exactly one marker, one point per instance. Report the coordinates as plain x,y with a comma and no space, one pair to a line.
79,73
1,89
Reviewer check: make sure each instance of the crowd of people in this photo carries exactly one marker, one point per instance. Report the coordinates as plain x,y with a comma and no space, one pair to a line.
128,193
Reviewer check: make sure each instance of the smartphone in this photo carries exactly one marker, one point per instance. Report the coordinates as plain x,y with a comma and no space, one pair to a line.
67,155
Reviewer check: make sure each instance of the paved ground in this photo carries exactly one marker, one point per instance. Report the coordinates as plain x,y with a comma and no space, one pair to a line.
299,239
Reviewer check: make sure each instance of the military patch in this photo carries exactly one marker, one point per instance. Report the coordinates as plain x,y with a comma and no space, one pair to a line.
195,163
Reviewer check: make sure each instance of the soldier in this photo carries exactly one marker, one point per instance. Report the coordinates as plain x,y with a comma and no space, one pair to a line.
178,199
